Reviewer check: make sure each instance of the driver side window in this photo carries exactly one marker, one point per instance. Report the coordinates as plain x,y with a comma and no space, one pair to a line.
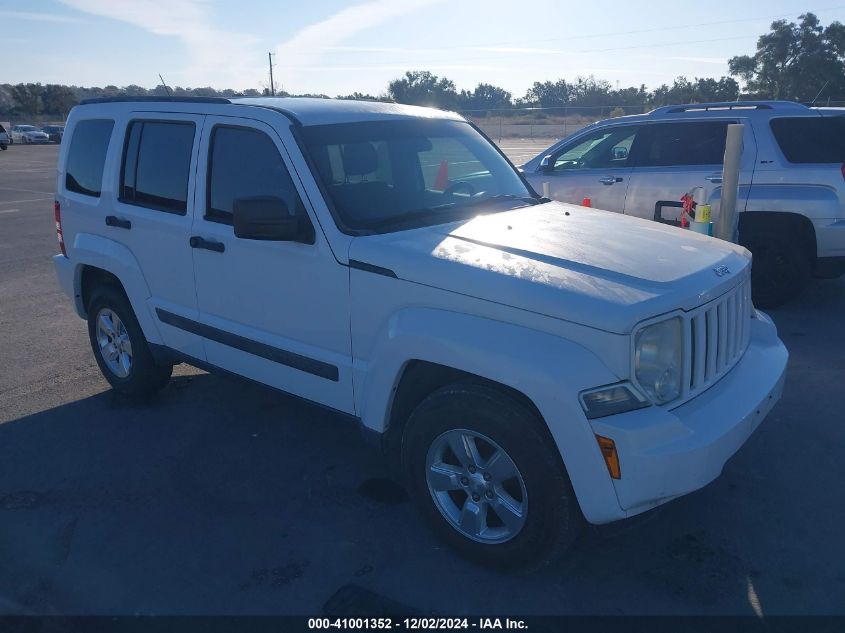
603,149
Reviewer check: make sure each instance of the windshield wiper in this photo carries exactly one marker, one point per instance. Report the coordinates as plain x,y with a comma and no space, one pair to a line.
501,197
410,216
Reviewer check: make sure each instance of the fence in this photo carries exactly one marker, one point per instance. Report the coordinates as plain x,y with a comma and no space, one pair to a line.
544,123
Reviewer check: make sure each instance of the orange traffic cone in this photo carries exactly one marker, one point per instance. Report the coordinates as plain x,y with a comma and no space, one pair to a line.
586,202
442,179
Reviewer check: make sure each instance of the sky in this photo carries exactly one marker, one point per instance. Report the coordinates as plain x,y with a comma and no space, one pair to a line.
339,47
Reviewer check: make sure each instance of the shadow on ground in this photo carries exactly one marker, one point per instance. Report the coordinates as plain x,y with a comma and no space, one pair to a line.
219,496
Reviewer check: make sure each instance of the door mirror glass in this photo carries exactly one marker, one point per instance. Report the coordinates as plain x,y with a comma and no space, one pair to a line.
265,218
620,152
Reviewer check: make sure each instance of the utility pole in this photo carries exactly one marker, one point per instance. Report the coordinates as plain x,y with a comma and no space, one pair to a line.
272,87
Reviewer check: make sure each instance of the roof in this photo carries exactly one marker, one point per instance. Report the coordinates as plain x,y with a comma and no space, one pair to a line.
305,110
315,111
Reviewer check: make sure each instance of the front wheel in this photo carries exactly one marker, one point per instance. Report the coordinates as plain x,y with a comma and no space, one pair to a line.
488,479
4,147
119,345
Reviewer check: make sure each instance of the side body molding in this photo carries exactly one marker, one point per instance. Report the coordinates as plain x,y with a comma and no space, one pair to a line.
101,252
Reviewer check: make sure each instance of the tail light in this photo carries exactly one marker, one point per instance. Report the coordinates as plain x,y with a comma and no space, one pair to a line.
57,211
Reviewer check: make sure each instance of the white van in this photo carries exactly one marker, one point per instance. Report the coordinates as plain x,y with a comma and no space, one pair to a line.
526,364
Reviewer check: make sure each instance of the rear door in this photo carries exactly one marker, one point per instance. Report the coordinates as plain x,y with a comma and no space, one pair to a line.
273,311
152,213
594,166
674,157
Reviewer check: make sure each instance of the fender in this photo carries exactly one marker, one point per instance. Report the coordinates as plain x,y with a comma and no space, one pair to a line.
543,367
111,256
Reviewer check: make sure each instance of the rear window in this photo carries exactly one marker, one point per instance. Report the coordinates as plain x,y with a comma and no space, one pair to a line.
676,144
87,156
157,164
811,139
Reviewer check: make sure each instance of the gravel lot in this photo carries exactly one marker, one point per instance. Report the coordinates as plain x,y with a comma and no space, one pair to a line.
219,496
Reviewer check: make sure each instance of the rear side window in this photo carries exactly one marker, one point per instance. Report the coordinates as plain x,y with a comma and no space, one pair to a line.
156,165
244,163
87,156
811,140
676,144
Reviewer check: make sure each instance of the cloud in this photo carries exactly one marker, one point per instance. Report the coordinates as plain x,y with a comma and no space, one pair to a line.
305,49
39,17
215,56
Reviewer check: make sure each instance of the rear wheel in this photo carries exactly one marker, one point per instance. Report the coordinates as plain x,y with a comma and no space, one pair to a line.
119,345
487,478
780,269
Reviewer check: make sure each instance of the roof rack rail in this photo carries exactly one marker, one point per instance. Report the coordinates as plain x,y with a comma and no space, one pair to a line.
154,99
729,105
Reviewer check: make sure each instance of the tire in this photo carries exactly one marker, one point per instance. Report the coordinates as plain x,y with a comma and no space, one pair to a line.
541,489
4,147
120,347
780,270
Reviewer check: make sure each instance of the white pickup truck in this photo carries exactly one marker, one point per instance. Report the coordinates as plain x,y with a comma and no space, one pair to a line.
526,364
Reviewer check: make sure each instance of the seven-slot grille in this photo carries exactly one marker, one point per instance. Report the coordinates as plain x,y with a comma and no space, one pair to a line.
715,338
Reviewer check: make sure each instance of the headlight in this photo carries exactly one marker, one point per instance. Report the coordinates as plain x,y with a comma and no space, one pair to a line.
658,350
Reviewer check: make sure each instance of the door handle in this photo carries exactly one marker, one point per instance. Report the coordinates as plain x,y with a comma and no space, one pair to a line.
716,179
113,220
609,180
200,242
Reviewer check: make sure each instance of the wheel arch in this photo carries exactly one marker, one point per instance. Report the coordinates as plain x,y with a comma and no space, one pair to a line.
796,225
101,260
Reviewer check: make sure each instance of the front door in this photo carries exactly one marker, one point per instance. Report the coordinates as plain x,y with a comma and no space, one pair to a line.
594,166
273,311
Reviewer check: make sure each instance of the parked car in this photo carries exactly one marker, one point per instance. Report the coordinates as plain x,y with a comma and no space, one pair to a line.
4,138
525,364
792,181
54,132
28,134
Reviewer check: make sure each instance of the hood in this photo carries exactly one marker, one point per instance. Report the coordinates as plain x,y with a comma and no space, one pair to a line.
596,268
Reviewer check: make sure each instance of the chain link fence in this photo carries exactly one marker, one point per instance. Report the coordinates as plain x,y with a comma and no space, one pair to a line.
544,123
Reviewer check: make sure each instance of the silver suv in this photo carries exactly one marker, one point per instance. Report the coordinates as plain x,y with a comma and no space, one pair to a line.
792,180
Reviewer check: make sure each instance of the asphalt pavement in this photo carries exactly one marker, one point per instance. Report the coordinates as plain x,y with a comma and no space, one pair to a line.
221,497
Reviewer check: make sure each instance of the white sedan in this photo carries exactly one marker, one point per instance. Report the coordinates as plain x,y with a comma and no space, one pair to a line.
28,134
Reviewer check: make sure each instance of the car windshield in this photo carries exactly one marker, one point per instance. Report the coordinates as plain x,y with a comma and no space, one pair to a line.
384,176
27,128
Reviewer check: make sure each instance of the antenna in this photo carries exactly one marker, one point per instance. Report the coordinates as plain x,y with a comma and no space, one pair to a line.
813,102
272,87
164,84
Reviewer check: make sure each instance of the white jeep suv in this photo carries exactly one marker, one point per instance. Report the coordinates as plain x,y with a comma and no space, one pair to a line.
526,364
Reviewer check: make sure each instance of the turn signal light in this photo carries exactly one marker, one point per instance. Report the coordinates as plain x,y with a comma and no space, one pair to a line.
608,451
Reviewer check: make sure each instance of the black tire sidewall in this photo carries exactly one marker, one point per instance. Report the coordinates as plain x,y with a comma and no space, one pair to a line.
553,517
765,245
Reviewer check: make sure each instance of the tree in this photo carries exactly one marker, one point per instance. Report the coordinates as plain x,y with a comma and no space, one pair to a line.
795,61
27,98
547,94
700,90
485,97
420,87
58,99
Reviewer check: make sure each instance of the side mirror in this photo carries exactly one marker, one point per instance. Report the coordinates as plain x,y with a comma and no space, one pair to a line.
266,218
547,164
620,152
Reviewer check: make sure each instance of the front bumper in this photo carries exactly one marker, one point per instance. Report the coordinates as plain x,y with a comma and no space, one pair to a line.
665,453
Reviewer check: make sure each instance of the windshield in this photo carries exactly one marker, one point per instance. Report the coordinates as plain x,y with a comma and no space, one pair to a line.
27,128
384,176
